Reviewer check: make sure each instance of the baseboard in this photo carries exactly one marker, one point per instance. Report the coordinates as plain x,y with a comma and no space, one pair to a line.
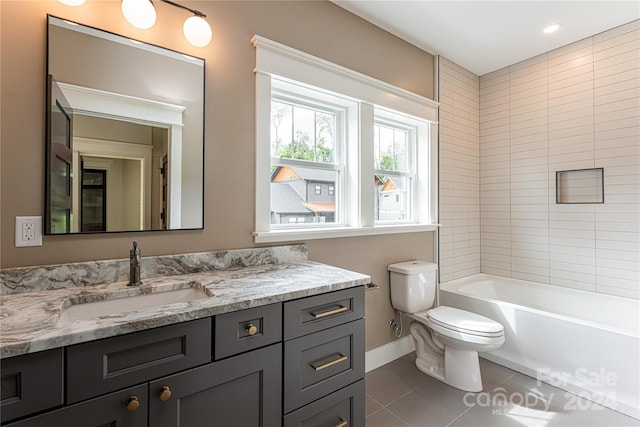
388,353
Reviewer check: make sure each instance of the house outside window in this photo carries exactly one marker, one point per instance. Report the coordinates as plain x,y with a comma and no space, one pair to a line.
322,132
306,156
395,175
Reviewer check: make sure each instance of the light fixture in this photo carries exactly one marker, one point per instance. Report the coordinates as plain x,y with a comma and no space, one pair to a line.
72,2
139,13
197,31
551,28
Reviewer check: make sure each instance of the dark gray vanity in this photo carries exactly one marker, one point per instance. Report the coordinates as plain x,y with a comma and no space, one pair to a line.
277,340
300,362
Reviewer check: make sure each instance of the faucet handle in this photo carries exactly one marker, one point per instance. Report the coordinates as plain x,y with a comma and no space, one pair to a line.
135,251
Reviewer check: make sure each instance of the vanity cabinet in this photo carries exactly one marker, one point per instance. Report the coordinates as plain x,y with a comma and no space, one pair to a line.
298,363
324,360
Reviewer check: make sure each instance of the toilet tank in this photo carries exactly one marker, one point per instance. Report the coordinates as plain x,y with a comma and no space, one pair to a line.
413,285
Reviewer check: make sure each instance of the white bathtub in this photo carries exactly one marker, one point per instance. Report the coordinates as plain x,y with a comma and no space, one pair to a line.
582,342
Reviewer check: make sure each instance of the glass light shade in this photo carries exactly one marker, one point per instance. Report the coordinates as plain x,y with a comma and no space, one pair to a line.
72,2
197,31
139,13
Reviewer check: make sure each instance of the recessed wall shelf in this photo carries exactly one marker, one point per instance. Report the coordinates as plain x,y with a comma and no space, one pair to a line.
580,186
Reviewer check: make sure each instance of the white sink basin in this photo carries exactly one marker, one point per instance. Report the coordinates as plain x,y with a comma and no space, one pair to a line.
122,302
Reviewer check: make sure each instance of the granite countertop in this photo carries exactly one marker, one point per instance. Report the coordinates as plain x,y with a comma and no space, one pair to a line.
29,321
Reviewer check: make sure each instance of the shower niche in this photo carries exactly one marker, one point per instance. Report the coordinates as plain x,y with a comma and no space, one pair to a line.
580,186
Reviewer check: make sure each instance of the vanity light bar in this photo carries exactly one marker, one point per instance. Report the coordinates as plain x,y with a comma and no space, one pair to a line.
141,14
194,11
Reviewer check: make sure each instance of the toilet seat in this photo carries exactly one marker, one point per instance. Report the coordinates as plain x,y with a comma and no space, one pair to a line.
464,322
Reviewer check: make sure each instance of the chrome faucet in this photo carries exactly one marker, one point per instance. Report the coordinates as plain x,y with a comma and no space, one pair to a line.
135,260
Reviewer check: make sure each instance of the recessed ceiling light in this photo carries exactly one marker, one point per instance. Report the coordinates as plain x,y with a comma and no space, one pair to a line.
551,28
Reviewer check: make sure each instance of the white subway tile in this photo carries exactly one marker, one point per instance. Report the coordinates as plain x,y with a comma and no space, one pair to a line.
576,276
618,49
631,27
570,73
568,283
631,292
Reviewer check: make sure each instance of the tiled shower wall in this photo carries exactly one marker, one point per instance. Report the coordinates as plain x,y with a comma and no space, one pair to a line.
459,172
572,108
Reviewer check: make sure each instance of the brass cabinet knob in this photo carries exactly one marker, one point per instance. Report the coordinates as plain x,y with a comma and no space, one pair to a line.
251,328
165,393
132,404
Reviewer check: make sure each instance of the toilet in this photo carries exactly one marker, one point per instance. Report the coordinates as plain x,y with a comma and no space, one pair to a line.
447,339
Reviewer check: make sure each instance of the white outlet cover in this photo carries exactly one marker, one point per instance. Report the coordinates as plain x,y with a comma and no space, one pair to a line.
36,221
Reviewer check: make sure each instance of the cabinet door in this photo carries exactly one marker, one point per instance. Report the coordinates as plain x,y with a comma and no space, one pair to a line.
241,391
113,410
31,383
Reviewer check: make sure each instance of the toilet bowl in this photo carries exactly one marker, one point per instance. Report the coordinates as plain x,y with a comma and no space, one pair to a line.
447,339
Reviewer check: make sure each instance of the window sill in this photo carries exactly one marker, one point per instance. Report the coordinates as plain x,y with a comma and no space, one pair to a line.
337,232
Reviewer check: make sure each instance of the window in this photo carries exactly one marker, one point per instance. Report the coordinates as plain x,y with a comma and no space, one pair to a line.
306,144
322,133
395,175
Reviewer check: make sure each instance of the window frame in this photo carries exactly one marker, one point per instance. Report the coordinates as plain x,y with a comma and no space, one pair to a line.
275,61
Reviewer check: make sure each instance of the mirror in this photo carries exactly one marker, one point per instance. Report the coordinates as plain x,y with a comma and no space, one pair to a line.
125,134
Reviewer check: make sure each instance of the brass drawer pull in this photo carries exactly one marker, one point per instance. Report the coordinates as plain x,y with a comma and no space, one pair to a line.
133,404
330,312
342,358
343,422
251,329
165,393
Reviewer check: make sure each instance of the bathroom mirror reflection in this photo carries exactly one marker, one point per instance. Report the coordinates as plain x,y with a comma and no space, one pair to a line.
125,134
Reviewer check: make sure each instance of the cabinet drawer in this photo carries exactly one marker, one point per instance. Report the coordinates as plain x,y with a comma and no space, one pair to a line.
102,366
307,315
344,407
318,364
109,410
246,330
31,383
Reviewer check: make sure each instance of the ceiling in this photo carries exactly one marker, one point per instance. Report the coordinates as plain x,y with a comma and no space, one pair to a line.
484,36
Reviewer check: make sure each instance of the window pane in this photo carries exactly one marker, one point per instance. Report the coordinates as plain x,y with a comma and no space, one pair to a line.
303,194
391,147
302,133
393,198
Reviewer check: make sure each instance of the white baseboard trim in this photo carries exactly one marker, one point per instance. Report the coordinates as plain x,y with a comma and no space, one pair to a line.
388,353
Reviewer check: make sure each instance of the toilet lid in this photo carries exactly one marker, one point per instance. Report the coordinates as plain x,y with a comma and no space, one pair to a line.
464,321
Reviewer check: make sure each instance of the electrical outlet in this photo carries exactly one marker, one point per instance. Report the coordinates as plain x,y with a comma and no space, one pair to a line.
28,231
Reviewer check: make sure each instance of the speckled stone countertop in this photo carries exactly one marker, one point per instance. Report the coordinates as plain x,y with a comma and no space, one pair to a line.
31,322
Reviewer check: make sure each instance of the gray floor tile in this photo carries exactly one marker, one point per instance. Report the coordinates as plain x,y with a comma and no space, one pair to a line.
370,406
493,374
384,418
412,398
433,404
391,381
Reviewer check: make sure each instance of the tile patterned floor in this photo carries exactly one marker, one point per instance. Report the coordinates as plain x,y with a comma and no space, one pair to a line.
399,395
